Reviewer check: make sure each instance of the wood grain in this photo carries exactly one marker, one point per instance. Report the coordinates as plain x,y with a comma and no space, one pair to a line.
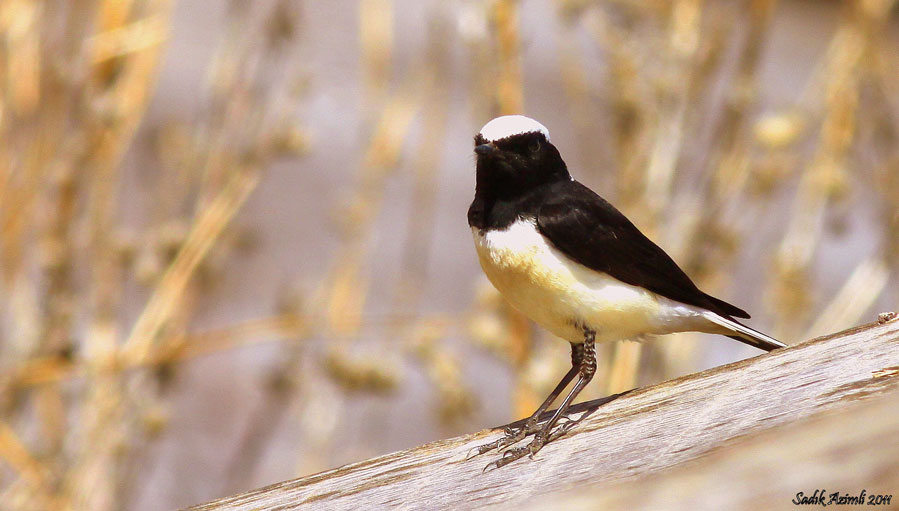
843,450
645,432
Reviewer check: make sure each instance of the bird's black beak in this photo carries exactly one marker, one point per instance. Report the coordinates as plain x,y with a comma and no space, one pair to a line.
487,149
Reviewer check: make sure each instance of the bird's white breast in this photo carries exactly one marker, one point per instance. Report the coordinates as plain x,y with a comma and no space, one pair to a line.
564,296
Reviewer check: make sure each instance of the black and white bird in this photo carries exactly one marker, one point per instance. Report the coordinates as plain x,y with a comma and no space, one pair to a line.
574,264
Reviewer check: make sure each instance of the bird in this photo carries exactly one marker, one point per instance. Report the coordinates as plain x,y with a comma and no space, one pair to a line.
571,262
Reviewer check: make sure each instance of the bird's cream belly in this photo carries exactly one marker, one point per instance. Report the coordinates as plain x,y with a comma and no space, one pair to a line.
565,297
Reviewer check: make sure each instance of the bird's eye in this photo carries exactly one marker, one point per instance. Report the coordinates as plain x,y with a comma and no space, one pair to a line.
534,146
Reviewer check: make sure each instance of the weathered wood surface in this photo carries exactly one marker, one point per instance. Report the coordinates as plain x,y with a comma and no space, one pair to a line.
843,450
641,433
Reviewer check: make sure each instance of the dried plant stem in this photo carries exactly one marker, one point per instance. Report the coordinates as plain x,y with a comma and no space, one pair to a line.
376,37
19,457
825,176
345,287
509,89
858,293
684,34
205,232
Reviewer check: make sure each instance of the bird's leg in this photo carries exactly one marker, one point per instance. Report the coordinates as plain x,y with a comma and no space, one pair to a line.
515,435
586,368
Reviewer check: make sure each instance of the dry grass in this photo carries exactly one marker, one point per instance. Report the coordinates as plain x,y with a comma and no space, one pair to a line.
85,375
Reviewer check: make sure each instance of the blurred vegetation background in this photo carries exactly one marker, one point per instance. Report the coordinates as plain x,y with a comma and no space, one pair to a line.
233,237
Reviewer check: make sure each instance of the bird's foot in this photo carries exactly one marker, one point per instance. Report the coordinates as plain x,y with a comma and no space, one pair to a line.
519,452
512,436
564,425
543,436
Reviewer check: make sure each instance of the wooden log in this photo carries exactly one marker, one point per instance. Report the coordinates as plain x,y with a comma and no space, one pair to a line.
850,450
644,432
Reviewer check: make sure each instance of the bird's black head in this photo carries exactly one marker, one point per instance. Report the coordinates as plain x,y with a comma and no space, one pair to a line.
514,156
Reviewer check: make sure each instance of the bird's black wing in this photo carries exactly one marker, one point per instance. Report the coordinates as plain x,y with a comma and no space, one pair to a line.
592,232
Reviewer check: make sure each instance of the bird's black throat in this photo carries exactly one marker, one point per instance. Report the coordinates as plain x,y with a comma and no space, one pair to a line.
512,181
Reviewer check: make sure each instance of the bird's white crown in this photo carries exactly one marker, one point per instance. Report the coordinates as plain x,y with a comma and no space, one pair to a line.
509,125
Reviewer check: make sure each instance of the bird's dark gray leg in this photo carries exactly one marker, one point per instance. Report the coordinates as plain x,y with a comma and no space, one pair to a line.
515,435
586,368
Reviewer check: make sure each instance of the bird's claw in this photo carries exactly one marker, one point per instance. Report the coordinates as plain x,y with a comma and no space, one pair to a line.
511,437
511,455
515,435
